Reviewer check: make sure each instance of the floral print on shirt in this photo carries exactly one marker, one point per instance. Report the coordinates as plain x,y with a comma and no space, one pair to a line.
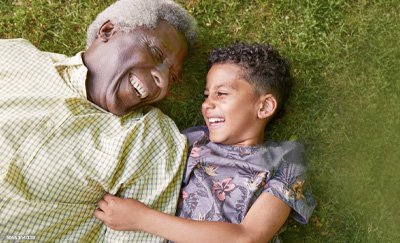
222,182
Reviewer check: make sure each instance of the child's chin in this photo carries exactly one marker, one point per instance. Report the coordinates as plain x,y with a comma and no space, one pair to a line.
216,139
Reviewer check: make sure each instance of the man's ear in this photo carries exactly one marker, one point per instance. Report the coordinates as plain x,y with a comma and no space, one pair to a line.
106,31
268,105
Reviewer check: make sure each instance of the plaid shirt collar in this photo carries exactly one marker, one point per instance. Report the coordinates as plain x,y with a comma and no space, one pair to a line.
74,71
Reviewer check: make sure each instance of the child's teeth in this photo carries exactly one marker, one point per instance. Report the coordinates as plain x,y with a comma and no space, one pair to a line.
216,119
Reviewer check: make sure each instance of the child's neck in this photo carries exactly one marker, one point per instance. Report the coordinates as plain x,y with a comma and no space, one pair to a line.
248,143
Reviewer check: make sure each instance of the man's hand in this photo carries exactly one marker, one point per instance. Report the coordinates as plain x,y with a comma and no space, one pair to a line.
120,214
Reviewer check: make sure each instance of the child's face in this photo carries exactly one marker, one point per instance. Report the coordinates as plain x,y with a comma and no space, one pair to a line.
230,107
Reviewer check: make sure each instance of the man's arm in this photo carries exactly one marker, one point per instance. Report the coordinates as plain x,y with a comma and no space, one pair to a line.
127,214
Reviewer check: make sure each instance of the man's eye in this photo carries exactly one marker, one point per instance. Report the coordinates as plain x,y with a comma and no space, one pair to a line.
157,53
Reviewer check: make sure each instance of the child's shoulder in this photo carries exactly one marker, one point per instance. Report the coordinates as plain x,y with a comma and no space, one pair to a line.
283,146
281,154
196,133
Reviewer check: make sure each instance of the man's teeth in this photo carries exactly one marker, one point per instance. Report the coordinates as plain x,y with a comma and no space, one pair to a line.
214,120
142,93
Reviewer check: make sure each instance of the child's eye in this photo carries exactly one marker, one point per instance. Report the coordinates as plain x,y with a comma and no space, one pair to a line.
221,94
205,96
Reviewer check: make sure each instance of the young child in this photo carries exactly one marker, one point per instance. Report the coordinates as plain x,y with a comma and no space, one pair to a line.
237,186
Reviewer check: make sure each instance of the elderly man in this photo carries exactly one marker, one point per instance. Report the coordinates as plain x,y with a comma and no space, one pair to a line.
72,129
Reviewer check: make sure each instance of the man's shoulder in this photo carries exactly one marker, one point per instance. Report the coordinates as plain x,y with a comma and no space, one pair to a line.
154,112
17,44
156,123
15,41
154,115
20,46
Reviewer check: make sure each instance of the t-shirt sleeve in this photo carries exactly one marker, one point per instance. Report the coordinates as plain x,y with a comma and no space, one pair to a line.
290,183
194,134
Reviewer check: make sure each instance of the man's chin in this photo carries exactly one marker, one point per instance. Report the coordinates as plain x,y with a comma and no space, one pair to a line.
118,111
123,112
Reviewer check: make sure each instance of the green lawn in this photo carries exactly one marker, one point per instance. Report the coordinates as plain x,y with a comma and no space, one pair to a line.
344,108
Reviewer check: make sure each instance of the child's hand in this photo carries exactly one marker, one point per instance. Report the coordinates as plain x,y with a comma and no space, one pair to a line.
120,214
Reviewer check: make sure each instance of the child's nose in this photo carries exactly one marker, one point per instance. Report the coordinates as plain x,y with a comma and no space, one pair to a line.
208,104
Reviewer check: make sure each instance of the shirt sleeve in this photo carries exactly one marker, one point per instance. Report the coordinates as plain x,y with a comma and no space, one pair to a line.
290,183
160,153
160,195
196,133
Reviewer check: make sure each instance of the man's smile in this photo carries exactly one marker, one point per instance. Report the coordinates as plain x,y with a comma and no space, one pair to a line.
140,91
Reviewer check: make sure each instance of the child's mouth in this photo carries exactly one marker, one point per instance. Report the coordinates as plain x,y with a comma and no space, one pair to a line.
216,122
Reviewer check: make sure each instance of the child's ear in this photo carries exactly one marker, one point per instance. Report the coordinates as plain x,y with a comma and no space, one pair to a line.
268,105
106,31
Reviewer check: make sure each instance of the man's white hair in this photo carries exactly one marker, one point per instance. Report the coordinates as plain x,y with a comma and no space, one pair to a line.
126,15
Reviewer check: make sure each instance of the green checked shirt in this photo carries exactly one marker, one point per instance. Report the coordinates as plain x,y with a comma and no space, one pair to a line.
59,153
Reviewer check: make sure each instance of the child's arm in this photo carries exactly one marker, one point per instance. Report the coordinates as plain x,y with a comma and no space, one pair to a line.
261,223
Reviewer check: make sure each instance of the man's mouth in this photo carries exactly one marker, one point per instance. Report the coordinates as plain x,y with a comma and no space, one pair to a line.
215,121
141,93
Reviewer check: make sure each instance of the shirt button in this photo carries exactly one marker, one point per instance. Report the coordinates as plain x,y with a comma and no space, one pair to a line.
49,124
19,162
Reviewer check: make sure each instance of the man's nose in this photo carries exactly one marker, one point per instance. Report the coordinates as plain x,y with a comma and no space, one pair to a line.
161,75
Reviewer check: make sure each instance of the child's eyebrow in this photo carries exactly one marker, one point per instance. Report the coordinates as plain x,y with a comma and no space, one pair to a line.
229,86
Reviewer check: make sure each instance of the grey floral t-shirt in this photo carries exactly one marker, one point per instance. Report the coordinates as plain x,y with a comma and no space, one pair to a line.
222,182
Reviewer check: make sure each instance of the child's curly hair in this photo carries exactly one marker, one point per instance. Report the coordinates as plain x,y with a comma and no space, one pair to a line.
263,68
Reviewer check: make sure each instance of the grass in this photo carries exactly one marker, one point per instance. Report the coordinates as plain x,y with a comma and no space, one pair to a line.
345,106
